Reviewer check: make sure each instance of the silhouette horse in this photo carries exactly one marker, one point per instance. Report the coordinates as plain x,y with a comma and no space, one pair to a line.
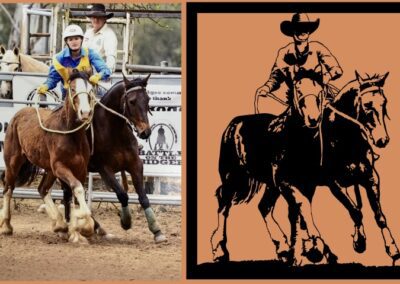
115,148
359,105
14,61
252,147
55,141
356,117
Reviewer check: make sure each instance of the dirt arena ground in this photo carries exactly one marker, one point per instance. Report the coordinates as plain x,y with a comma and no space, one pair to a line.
34,252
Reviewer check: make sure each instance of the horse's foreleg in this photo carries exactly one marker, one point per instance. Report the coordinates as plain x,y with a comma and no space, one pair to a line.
266,207
224,194
110,180
81,221
136,172
45,192
5,213
306,238
359,238
372,187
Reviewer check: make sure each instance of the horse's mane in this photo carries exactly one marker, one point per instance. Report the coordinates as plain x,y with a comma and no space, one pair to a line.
133,83
29,64
81,74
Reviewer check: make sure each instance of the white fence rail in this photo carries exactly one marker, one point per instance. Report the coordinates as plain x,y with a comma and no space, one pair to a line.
155,199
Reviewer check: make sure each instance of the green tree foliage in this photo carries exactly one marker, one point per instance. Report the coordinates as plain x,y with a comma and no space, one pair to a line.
155,42
5,23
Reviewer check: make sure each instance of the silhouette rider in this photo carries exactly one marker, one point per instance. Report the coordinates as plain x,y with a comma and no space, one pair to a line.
301,58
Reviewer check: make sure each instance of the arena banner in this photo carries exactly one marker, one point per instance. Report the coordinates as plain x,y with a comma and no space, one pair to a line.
161,152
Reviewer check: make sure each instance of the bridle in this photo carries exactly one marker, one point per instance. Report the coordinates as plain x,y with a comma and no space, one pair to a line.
125,101
297,99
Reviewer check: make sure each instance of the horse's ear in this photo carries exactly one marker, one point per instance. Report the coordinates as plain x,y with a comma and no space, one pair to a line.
126,81
358,77
383,78
16,51
146,79
2,50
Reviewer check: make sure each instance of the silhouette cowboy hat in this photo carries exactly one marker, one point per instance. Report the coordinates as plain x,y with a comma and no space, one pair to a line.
99,10
299,23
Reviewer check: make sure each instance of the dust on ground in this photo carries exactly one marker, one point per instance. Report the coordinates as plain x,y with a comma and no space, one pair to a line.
35,252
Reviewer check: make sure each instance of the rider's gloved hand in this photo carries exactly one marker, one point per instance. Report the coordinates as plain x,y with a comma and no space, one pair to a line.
42,89
263,91
94,79
326,78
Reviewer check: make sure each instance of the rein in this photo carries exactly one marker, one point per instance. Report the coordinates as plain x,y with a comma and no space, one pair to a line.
86,124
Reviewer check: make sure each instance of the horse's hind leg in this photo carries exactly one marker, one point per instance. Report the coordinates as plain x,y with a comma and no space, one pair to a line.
220,252
45,192
136,172
266,206
13,166
373,192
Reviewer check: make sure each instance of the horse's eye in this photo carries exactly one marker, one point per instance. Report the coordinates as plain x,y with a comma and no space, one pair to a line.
132,102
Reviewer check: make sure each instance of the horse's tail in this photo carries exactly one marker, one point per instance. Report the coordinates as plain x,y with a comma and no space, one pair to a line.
232,165
27,174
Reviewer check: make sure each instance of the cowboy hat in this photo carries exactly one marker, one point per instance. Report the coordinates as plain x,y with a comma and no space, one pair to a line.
301,23
99,10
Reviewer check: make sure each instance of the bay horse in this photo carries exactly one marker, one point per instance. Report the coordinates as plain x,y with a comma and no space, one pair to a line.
56,142
15,61
252,147
116,148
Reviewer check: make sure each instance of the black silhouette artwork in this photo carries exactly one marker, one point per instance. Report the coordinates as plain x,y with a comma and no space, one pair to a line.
310,144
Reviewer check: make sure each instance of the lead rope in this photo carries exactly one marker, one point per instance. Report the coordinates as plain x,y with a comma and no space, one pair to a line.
65,132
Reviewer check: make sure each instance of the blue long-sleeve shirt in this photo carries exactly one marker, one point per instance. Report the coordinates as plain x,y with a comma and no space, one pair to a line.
65,59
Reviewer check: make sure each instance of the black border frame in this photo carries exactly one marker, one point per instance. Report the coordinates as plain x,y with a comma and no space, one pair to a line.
254,269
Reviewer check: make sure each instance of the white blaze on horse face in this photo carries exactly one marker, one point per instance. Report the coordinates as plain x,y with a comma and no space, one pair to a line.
308,96
8,65
373,106
83,89
311,110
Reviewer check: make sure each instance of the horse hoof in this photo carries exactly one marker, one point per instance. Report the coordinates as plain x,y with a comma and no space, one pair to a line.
313,249
286,256
222,259
108,237
63,235
395,258
7,232
126,224
160,238
42,208
360,245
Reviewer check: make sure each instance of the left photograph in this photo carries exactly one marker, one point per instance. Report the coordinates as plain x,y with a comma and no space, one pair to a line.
90,141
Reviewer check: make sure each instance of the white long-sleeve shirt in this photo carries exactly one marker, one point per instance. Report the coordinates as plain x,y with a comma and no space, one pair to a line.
104,42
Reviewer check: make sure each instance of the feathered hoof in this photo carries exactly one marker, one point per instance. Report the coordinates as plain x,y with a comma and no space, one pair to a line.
77,238
313,249
159,237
